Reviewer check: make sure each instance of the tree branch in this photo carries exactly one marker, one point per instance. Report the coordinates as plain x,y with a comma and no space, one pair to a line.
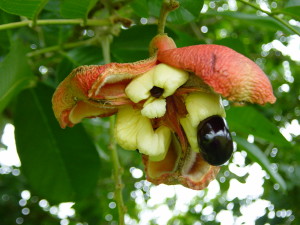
272,15
90,22
60,47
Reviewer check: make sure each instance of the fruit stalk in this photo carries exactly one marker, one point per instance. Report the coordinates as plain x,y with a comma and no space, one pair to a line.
117,168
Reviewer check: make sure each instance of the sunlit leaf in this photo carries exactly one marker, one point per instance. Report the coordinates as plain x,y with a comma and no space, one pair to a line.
28,8
291,8
256,155
248,120
15,74
60,165
291,3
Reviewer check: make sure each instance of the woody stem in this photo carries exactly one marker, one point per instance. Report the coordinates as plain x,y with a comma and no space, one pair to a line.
117,168
167,6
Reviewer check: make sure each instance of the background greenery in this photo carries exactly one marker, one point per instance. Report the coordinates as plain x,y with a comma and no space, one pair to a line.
41,41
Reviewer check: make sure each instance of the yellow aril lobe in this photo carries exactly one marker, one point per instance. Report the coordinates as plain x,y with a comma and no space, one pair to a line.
162,77
135,131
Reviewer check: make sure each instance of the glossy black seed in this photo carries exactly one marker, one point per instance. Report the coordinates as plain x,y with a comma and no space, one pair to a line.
214,140
156,92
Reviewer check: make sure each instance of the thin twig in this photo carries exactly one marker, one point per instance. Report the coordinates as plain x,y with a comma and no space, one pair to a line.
60,47
117,169
167,6
90,22
272,15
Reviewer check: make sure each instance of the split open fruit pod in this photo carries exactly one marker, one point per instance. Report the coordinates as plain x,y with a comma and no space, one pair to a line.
168,106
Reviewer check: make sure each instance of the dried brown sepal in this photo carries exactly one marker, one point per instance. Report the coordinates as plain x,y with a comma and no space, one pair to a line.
185,168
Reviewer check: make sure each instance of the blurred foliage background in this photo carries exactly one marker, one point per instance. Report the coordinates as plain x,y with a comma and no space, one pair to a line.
65,176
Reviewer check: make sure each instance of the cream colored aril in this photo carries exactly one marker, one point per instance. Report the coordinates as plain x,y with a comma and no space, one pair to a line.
199,106
134,131
163,76
154,108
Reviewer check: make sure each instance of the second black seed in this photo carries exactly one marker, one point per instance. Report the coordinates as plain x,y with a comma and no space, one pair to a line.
156,92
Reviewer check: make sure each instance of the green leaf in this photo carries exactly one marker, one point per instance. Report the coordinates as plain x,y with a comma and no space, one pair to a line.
76,8
57,34
84,55
28,8
291,3
183,39
140,8
15,74
234,43
194,7
250,121
128,48
292,11
180,16
256,155
60,165
63,69
265,22
291,8
6,35
188,11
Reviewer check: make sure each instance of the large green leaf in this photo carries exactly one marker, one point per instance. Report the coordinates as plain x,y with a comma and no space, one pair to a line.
128,48
15,74
250,121
256,155
6,36
76,8
28,8
292,3
86,55
60,165
181,16
234,43
194,7
140,8
292,8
